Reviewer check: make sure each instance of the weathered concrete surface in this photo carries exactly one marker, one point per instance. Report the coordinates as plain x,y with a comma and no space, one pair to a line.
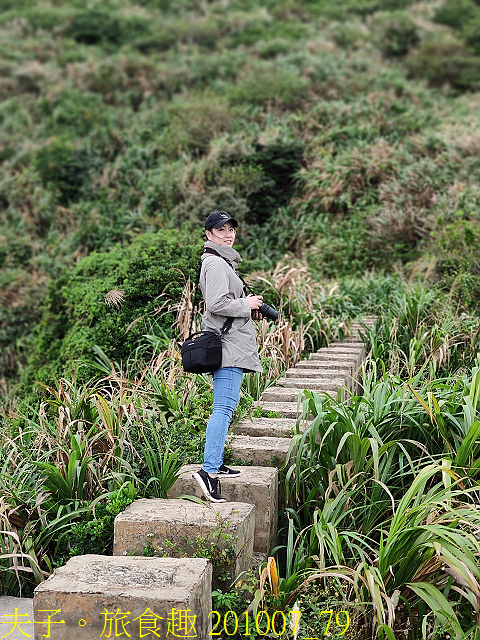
254,485
342,345
331,382
284,409
263,451
88,587
24,607
316,383
344,349
155,521
285,394
270,427
326,368
353,358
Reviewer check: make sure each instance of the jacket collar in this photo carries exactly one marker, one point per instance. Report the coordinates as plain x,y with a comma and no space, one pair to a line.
229,253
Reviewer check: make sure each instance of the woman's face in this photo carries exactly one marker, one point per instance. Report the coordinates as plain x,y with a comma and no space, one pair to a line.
225,235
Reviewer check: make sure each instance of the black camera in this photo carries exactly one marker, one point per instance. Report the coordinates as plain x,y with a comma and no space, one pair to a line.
268,312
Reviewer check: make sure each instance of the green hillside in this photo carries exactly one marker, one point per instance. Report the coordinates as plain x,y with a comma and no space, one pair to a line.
345,137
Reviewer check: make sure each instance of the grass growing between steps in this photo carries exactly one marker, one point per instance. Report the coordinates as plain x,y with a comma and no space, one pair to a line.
381,492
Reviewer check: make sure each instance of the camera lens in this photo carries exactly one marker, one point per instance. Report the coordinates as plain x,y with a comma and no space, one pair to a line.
268,312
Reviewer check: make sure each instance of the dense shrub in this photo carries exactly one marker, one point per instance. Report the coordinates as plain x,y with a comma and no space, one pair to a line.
280,162
266,82
21,296
48,19
263,174
143,278
74,113
456,13
349,35
92,27
344,10
196,203
94,535
457,265
193,123
397,34
444,60
472,35
66,168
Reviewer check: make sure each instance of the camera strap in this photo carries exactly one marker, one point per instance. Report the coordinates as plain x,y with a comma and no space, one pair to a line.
215,253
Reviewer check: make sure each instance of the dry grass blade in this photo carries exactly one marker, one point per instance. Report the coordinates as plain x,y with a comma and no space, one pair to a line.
184,309
114,298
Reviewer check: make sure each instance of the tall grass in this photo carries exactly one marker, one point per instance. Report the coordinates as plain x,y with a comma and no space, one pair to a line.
381,493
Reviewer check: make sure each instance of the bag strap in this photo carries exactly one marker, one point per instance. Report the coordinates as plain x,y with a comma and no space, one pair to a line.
229,321
195,298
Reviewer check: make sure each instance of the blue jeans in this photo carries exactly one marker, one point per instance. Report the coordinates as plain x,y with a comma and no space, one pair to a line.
226,394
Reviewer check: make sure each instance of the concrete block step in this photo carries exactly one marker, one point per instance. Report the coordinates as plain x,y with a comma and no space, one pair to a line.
353,358
341,345
276,427
8,604
89,585
284,394
318,384
255,485
155,522
305,382
342,348
316,373
283,409
324,367
260,451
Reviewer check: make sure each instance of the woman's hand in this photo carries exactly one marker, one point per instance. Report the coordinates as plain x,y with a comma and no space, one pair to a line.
255,302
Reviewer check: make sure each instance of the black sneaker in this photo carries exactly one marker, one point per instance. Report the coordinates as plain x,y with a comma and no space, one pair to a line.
226,471
209,486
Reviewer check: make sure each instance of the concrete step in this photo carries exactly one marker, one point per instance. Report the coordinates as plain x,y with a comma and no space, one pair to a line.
284,394
305,382
276,427
318,384
254,485
318,373
77,595
341,345
353,358
342,348
324,368
158,522
24,607
283,409
260,451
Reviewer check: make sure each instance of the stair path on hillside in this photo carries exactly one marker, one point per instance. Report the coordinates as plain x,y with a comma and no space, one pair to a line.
136,583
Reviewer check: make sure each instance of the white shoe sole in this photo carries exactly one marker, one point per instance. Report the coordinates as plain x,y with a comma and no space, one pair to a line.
229,475
204,489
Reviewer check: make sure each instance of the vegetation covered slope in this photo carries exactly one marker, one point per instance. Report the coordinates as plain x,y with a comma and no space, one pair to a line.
344,136
316,124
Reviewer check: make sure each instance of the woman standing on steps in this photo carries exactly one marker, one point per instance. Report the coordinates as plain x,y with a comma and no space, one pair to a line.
225,299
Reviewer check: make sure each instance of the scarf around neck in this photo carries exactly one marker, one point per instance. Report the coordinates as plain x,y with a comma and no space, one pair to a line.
226,252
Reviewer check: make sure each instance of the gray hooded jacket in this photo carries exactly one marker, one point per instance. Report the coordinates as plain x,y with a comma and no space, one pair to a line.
224,298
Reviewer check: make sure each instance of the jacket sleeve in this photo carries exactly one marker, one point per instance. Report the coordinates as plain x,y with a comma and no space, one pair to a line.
219,299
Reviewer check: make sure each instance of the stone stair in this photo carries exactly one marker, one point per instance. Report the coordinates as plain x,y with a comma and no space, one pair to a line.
87,585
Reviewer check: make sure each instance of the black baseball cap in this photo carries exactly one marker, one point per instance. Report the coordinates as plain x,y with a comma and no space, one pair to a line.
218,218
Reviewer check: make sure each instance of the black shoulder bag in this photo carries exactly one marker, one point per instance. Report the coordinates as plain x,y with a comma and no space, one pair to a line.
202,351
